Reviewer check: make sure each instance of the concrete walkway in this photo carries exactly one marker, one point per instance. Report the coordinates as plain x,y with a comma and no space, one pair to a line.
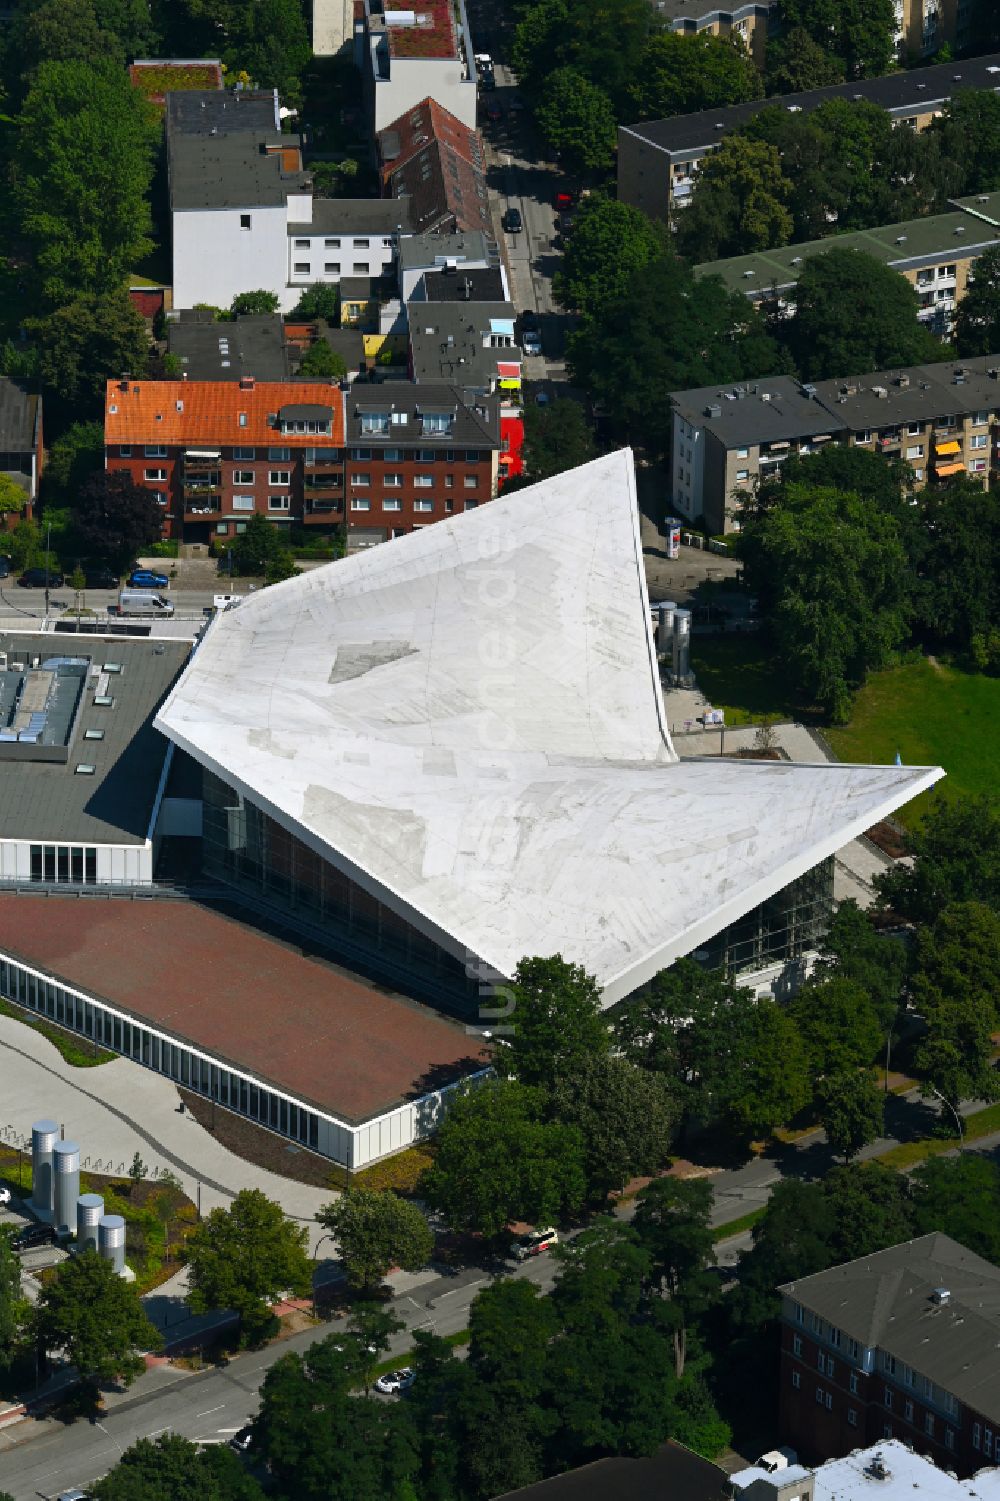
120,1108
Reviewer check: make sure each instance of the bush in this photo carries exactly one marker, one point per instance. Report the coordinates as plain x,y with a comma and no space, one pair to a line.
162,549
400,1173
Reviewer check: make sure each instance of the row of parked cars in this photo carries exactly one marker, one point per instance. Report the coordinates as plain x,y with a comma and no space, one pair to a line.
94,578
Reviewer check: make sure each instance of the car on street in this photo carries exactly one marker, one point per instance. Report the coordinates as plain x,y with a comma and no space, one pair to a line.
145,578
534,1243
242,1439
563,197
512,221
488,80
32,1236
5,1194
493,111
542,398
394,1382
100,578
531,341
36,578
74,1495
4,567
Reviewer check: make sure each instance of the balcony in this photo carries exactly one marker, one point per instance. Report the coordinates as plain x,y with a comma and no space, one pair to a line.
322,511
195,510
323,481
207,484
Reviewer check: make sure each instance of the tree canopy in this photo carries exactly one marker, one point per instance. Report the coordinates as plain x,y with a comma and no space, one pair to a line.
170,1468
115,519
556,438
681,74
376,1231
97,1318
850,1109
955,989
977,321
957,859
556,1024
739,204
244,1257
577,119
79,346
860,34
610,241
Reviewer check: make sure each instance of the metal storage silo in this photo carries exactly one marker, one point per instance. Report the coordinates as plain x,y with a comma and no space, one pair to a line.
111,1241
44,1135
66,1172
89,1211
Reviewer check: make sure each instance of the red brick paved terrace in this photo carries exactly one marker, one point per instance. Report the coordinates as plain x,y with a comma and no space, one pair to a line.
254,1003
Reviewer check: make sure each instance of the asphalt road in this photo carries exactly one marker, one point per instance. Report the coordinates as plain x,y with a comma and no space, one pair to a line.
43,1459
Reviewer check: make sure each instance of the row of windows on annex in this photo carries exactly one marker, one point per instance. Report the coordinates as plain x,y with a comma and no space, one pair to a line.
106,1029
422,505
279,453
931,1427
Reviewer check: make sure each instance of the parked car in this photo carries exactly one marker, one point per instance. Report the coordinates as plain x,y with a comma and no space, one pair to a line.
493,111
484,63
531,341
100,578
5,1194
394,1382
529,319
512,221
4,567
34,1235
487,80
145,578
563,197
542,398
36,578
74,1495
534,1243
242,1439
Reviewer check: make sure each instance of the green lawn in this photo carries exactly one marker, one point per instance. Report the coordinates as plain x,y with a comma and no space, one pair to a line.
932,715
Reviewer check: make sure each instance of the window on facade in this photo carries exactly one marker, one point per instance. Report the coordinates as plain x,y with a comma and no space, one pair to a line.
361,244
929,1424
854,1382
426,455
360,503
987,1441
915,451
302,244
949,1438
437,422
852,1417
796,1380
979,440
155,450
392,481
908,1411
331,268
360,268
332,244
423,505
743,453
125,451
392,455
472,456
154,474
796,1344
915,429
449,482
280,477
279,454
887,1397
449,505
242,476
470,505
361,480
278,502
887,1430
374,422
244,453
470,482
918,474
391,503
835,1338
820,1394
889,1363
245,221
829,1401
361,453
242,503
979,418
423,481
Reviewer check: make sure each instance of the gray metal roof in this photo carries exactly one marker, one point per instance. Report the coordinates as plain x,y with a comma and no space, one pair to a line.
917,393
477,284
751,412
252,345
416,251
704,12
229,170
885,1301
471,426
355,216
446,341
18,418
908,89
221,111
48,801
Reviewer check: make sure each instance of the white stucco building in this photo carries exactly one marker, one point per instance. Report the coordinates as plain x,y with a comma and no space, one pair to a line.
406,56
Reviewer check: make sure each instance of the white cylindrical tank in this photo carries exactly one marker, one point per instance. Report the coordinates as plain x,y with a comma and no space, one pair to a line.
66,1171
44,1135
682,643
665,624
111,1240
89,1211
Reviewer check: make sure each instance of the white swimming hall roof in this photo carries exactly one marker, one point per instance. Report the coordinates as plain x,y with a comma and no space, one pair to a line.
468,722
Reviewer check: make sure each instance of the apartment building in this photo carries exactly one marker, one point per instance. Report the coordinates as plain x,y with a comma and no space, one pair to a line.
426,255
935,254
942,419
416,454
903,1344
21,449
407,56
658,159
216,452
243,214
748,21
890,1470
431,158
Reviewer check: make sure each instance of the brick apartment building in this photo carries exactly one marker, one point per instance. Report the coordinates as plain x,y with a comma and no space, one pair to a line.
21,449
382,459
902,1344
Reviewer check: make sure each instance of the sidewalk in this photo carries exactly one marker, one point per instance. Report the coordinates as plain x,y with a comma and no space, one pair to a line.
120,1108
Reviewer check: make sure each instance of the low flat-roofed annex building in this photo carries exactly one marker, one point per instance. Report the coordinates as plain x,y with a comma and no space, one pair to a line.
451,752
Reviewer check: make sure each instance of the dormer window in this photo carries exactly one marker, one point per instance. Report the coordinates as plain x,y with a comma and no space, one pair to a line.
307,418
374,422
437,422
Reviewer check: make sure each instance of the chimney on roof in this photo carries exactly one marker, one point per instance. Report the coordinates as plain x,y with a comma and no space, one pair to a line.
246,382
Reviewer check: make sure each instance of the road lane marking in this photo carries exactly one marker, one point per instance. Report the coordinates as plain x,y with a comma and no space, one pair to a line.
209,1410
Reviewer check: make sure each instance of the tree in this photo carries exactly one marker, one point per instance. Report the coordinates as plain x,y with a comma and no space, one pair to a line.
861,33
511,1325
376,1231
956,853
243,1258
322,362
130,21
969,131
14,1307
883,330
556,438
83,343
321,300
265,38
838,1024
13,498
116,518
321,1442
870,1208
740,202
850,1108
960,1196
497,1161
977,322
854,949
955,989
556,1022
775,1083
672,1223
74,456
681,74
834,576
625,1116
83,169
61,31
795,63
262,549
667,332
138,1170
610,241
954,549
96,1317
253,304
577,119
605,45
171,1468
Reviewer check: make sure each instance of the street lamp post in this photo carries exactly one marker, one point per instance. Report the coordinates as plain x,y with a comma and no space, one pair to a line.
958,1118
328,1236
48,554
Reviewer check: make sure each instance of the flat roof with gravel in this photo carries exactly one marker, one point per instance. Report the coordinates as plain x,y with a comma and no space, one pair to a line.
305,1027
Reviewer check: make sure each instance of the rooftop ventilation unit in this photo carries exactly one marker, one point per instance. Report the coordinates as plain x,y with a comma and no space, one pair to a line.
900,239
941,1296
713,411
880,391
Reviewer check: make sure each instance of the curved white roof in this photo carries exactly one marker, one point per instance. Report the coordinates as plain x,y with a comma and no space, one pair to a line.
468,721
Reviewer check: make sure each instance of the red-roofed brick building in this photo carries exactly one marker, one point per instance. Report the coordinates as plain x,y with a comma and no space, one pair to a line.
430,157
406,56
215,452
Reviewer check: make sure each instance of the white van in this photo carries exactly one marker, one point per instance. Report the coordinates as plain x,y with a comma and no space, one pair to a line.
142,602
